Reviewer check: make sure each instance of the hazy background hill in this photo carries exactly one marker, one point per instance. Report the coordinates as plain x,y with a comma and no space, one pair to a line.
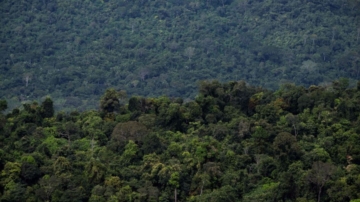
73,50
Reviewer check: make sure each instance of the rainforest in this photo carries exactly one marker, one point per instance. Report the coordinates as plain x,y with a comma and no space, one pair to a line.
73,50
234,142
168,100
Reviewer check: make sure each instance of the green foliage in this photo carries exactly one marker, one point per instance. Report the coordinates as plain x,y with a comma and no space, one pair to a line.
131,150
3,105
14,192
10,172
30,173
225,193
51,145
110,102
47,108
28,159
83,144
174,179
233,143
49,131
265,191
169,46
95,171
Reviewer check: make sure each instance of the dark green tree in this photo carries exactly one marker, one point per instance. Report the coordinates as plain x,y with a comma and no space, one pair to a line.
3,105
111,100
47,108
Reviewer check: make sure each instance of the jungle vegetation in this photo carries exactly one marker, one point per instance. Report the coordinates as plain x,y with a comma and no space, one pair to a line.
73,50
233,142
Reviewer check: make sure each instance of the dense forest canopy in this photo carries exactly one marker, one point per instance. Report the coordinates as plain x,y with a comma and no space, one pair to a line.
73,50
234,142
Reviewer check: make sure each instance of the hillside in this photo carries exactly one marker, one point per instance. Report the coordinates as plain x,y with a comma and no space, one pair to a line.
232,143
73,50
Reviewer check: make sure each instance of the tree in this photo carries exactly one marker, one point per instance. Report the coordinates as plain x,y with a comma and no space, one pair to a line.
213,169
189,52
92,127
112,185
97,194
261,138
294,122
174,182
10,172
173,165
149,192
47,186
313,38
47,108
131,130
27,78
320,174
30,173
95,171
130,153
3,105
135,104
110,101
61,165
200,181
224,193
14,192
286,148
291,182
309,66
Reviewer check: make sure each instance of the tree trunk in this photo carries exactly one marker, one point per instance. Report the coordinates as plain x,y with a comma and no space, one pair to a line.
175,195
295,130
319,194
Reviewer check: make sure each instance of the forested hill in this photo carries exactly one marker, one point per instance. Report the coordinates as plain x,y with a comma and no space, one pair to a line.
234,142
73,50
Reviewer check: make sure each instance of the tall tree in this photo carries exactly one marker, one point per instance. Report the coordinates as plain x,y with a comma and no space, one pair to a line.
111,100
320,174
47,108
3,105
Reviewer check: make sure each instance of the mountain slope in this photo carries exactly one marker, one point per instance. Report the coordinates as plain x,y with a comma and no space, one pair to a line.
73,50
